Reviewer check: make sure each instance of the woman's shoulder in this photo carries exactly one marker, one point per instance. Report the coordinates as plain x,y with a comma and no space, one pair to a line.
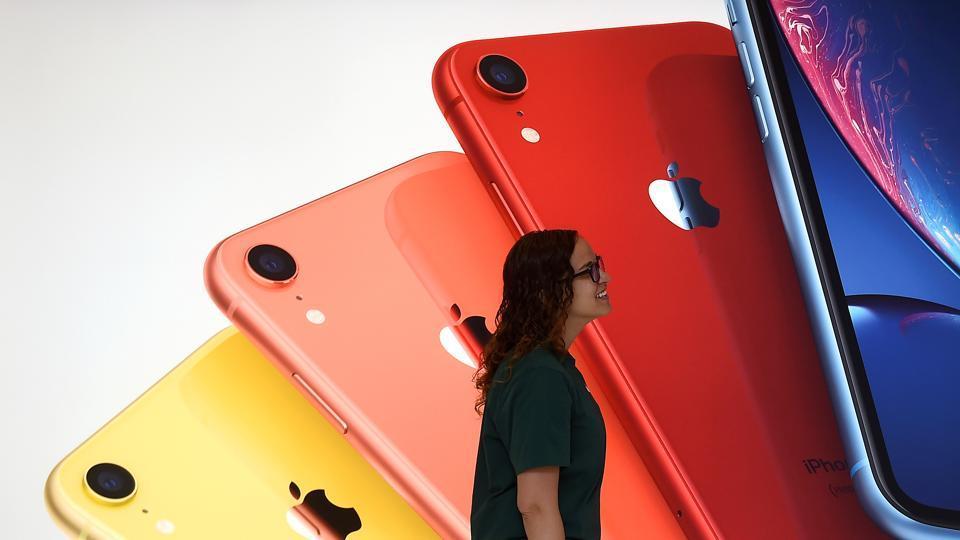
537,359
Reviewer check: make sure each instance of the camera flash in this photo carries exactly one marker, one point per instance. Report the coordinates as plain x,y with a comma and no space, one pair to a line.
316,316
165,526
530,135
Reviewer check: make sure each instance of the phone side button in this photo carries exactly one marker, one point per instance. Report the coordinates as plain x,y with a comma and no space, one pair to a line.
333,414
761,121
731,13
745,64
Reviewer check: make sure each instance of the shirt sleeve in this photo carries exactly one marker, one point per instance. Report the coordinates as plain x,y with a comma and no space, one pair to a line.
536,420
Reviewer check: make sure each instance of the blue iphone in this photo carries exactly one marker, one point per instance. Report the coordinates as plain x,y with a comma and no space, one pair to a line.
857,106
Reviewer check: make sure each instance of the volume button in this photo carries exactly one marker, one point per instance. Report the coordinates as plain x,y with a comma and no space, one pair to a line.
745,64
333,414
761,120
731,13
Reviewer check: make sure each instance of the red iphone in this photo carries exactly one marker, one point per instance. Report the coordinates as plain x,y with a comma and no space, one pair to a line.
453,237
642,139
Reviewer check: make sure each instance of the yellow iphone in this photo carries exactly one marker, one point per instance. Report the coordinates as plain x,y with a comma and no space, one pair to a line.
224,447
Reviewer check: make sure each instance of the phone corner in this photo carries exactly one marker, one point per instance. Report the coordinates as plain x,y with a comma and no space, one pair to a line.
886,515
57,504
445,89
52,491
216,279
439,159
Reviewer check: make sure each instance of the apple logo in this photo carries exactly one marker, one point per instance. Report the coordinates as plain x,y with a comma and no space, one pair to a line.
680,201
465,340
316,518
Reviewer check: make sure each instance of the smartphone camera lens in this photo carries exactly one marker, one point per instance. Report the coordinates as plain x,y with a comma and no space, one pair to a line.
502,75
272,263
111,481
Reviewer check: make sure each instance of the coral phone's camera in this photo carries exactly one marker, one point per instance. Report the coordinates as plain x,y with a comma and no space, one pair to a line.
272,263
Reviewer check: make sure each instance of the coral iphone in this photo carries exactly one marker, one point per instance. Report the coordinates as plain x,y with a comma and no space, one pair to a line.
325,292
224,447
642,139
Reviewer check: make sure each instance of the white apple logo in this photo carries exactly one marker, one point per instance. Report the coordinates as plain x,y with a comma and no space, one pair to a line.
680,201
451,343
466,339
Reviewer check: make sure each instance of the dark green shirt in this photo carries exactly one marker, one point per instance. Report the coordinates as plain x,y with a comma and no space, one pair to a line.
542,415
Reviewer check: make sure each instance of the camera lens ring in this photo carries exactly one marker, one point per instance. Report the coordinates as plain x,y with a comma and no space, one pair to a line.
502,75
272,263
111,482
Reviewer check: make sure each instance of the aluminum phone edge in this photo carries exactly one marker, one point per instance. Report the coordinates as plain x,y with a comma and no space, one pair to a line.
876,504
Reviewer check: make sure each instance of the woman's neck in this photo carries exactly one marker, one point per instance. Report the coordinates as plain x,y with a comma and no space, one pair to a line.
571,330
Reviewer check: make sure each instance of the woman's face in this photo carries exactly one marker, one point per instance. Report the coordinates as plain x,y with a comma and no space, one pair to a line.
589,299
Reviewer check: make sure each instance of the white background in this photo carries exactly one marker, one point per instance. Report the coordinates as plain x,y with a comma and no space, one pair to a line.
135,135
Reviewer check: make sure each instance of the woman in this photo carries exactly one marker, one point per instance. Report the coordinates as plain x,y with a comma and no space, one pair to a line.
542,438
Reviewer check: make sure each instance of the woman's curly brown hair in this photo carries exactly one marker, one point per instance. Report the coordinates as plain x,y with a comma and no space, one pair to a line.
537,293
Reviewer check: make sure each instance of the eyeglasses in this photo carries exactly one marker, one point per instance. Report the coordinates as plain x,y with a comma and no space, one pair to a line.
593,268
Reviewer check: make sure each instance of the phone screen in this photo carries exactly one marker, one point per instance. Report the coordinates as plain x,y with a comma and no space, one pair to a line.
875,85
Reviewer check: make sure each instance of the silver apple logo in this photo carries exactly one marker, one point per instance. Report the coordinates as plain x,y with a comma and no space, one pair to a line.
680,201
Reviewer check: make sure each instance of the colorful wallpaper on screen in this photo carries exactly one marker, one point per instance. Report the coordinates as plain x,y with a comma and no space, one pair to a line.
901,289
887,72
